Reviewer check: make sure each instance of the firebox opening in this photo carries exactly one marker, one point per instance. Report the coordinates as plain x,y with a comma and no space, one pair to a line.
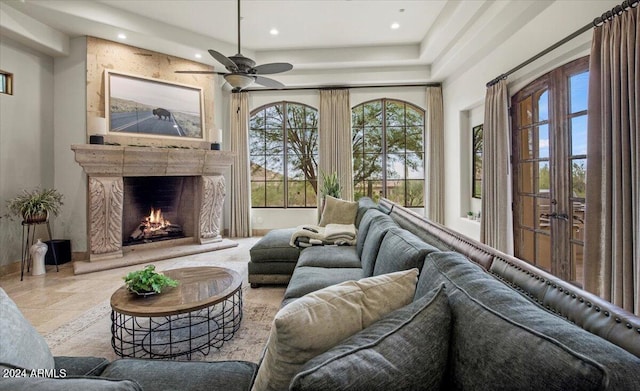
157,209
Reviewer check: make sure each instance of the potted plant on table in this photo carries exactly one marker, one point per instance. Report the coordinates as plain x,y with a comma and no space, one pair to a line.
147,281
36,206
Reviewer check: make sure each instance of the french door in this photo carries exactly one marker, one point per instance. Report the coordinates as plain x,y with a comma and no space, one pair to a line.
549,145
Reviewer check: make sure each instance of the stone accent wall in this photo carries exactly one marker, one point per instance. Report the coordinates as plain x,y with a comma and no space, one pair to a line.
117,57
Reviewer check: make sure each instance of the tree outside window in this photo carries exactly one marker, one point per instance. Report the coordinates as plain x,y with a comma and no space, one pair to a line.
388,151
283,151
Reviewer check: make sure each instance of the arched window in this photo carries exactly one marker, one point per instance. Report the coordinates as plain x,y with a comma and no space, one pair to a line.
283,142
388,151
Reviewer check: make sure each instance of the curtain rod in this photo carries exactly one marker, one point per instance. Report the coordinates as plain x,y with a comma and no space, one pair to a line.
606,17
343,86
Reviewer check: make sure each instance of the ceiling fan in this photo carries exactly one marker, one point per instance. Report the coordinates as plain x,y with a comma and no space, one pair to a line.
243,71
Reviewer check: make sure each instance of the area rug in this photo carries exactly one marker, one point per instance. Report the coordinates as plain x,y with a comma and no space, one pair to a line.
90,333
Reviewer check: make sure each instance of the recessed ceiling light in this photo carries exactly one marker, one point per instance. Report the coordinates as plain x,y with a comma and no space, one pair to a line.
274,31
395,25
198,55
122,36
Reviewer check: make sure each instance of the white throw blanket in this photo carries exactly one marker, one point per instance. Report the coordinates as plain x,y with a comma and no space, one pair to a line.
314,235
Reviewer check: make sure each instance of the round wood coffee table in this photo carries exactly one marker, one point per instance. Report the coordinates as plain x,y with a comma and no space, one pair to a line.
203,311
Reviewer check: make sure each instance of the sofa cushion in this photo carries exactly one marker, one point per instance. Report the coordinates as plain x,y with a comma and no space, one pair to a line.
379,227
274,247
519,339
21,345
159,375
310,279
405,350
364,204
337,211
68,384
363,229
320,320
400,250
329,256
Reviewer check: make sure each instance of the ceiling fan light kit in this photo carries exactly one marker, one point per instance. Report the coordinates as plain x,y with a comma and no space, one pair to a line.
239,81
243,70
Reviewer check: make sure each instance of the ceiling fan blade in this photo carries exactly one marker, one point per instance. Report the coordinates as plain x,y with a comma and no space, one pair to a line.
201,72
274,67
267,82
224,60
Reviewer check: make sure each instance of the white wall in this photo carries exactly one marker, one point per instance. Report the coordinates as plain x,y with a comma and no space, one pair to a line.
69,124
26,135
464,93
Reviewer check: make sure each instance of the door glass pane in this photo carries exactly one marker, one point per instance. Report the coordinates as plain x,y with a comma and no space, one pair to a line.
526,112
579,135
579,89
543,251
311,195
577,220
527,212
543,221
577,258
526,177
544,183
527,246
543,141
526,144
543,106
578,177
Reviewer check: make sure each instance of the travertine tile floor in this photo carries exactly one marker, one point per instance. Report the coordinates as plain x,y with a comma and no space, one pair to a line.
56,298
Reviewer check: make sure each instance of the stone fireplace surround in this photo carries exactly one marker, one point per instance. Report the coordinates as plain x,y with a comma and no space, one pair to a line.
107,165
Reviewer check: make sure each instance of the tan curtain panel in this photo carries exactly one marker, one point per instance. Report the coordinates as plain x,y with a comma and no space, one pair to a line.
612,226
496,229
240,225
435,164
335,138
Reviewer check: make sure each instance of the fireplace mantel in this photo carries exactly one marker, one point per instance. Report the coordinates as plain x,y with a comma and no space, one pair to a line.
121,161
108,165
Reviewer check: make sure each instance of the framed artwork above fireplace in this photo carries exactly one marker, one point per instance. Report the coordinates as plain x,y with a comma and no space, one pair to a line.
140,106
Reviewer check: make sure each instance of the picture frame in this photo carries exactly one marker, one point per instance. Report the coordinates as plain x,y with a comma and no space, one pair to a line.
476,161
140,106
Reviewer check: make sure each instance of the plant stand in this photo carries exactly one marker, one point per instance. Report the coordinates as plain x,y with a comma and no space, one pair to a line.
30,230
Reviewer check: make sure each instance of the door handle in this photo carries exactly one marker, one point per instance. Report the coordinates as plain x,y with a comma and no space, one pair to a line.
561,216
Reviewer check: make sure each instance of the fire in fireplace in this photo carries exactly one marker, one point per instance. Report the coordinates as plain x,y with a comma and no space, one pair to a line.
155,227
158,208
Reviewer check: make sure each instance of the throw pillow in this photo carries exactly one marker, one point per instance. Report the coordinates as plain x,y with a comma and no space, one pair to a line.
406,350
337,211
320,320
21,345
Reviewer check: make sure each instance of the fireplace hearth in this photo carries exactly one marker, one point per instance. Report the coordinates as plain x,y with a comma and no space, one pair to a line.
125,183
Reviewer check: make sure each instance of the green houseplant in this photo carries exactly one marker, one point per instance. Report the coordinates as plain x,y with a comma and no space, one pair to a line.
36,205
330,185
147,281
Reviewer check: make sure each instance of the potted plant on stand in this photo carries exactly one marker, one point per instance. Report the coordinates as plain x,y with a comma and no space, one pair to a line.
36,206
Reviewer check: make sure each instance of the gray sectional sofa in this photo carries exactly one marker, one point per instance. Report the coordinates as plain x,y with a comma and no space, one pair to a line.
479,320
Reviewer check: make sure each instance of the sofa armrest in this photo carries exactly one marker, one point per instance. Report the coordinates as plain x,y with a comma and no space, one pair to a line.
80,366
162,375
